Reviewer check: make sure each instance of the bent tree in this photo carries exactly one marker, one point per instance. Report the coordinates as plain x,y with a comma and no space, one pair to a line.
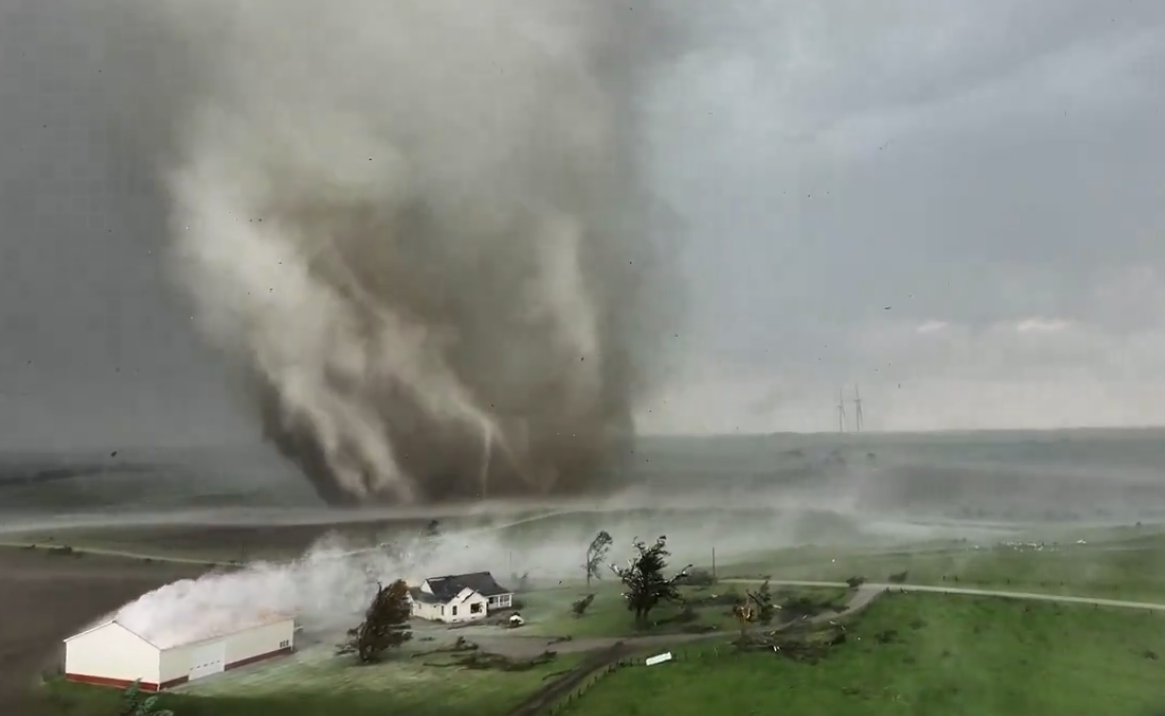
643,577
385,624
596,555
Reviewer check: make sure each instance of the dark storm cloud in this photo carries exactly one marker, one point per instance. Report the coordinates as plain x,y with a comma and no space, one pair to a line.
95,351
976,167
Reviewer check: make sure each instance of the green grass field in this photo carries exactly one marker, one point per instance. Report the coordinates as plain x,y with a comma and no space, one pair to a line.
945,655
321,686
1131,568
548,612
1115,563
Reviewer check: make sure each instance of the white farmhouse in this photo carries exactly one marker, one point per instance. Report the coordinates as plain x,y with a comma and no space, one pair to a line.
110,654
459,598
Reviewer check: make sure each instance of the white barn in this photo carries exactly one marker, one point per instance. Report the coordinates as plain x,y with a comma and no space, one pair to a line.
455,599
110,654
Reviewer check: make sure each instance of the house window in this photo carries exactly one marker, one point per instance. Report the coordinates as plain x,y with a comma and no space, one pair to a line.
475,608
443,610
454,611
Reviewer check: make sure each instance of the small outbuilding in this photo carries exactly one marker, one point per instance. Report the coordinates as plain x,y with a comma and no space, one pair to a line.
459,598
111,654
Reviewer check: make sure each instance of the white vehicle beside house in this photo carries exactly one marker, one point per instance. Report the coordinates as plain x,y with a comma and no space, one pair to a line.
459,598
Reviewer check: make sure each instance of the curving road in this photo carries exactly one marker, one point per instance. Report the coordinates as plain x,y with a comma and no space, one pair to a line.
876,587
519,646
1006,594
859,599
524,647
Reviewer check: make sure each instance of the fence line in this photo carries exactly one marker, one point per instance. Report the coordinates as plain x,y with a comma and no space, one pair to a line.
632,662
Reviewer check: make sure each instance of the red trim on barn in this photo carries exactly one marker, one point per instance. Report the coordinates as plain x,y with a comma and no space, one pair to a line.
152,687
124,683
260,657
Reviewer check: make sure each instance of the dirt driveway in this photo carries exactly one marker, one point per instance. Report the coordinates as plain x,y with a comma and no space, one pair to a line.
517,646
607,651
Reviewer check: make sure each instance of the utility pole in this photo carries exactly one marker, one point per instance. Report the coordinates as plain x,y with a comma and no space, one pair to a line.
857,409
713,563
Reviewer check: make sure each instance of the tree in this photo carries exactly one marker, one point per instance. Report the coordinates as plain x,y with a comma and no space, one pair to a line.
643,577
385,624
745,615
597,554
521,581
763,599
580,607
701,578
135,703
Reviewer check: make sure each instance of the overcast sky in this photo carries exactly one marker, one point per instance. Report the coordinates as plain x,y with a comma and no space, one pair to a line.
958,205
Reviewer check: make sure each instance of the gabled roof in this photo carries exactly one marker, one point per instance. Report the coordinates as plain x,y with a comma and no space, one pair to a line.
422,596
217,624
447,587
207,628
107,623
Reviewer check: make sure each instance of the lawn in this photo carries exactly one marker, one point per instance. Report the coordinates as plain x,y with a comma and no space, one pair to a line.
1132,568
920,654
320,686
548,612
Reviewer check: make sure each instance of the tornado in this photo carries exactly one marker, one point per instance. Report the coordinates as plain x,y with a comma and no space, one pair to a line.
421,234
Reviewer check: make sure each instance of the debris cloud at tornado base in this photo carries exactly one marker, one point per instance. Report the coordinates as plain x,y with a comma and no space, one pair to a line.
419,231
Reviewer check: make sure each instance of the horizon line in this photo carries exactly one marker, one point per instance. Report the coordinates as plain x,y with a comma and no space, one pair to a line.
932,431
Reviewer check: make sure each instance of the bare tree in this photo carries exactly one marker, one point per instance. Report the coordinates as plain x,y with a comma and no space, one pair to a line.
385,624
745,615
763,599
644,579
597,554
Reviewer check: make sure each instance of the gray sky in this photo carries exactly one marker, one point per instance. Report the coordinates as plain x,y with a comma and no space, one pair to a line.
94,348
959,205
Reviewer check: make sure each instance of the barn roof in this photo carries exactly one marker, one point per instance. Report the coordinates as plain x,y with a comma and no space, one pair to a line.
218,623
199,626
448,587
102,625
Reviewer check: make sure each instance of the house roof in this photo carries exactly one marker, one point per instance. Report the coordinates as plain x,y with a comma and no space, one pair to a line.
448,587
422,596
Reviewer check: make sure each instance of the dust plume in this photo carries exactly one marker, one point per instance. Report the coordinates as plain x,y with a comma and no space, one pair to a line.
330,585
419,230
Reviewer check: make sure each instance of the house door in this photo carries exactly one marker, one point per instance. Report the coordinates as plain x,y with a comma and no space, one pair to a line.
207,659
